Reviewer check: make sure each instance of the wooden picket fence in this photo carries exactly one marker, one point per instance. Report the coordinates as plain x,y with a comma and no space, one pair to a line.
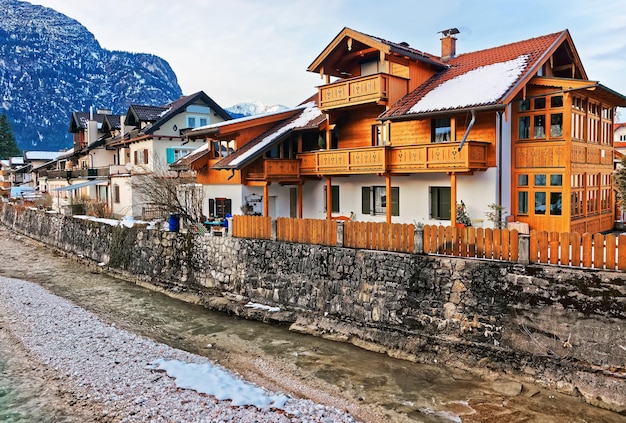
396,237
306,231
258,227
587,250
495,244
594,251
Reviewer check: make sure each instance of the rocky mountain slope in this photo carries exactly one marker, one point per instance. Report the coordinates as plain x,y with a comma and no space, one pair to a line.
51,65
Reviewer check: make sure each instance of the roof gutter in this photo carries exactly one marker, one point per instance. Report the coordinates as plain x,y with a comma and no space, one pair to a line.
469,128
414,116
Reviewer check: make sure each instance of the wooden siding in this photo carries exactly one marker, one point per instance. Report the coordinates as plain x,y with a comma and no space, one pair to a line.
379,236
355,129
306,231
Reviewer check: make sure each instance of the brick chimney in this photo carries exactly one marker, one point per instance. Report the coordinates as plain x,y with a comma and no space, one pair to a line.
448,44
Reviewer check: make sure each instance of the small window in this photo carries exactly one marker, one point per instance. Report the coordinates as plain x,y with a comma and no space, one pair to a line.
522,180
524,127
441,130
540,180
555,203
556,180
440,203
116,193
540,203
191,122
203,121
556,101
524,105
375,202
379,135
220,207
522,202
540,103
556,125
540,127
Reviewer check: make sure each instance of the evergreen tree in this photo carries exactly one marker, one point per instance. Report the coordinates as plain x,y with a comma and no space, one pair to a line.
8,146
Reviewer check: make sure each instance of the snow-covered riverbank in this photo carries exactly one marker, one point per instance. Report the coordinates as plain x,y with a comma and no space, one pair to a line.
128,378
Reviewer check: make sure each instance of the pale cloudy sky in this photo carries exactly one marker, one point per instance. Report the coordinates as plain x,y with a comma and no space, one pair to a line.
253,50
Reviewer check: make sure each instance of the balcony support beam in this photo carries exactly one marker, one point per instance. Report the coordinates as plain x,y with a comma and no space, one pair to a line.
388,194
329,198
453,199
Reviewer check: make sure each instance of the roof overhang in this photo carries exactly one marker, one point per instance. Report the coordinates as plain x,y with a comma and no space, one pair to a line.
81,185
418,116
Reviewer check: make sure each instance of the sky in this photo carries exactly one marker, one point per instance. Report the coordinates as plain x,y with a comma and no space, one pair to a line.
248,50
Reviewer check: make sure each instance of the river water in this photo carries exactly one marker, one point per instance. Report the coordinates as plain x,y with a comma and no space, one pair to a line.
372,386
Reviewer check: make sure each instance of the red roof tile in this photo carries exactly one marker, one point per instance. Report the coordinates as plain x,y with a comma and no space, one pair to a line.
534,50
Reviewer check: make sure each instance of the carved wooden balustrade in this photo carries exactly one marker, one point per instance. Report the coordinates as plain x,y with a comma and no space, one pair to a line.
380,88
274,170
441,157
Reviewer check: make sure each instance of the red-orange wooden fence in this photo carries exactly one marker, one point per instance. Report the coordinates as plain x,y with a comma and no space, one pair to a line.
307,231
587,250
259,227
495,244
398,237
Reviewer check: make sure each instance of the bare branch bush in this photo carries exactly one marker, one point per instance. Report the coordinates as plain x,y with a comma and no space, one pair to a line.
173,192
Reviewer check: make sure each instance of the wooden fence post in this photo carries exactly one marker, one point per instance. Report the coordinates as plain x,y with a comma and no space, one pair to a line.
419,239
523,249
274,234
339,233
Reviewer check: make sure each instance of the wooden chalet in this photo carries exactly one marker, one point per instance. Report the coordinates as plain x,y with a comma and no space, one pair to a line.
403,135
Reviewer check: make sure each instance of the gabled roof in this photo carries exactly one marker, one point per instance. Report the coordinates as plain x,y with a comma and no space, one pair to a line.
309,117
359,43
488,78
138,113
111,122
79,121
181,104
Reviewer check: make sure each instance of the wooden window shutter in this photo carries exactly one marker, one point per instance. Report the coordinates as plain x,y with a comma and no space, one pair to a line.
135,156
334,192
145,156
365,200
169,155
395,201
211,207
228,206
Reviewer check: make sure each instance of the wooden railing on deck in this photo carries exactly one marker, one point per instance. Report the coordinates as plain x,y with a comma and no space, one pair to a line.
259,227
306,231
573,249
379,236
495,244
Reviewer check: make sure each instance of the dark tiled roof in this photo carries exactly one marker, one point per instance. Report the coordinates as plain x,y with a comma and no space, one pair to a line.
534,50
79,120
148,113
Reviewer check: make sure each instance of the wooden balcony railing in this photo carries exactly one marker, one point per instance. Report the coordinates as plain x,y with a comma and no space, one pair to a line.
274,170
441,157
380,89
78,173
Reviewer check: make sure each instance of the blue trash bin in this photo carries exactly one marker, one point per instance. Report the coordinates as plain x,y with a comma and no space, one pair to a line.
173,221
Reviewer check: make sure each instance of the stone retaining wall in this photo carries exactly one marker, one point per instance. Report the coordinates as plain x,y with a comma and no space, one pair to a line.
559,326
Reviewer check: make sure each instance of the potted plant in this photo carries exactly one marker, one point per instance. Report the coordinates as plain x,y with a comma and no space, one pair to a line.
462,217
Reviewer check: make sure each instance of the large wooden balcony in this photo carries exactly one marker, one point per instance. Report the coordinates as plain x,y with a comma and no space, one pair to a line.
274,170
440,157
380,89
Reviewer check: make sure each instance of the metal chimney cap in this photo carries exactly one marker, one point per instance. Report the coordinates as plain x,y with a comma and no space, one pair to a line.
449,32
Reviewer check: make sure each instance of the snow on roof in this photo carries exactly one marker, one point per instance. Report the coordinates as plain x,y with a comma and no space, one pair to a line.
41,155
310,113
483,85
242,119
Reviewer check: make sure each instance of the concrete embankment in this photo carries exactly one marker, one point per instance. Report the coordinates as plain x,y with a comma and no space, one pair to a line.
562,327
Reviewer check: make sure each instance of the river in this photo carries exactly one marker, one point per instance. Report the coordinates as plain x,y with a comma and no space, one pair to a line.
372,386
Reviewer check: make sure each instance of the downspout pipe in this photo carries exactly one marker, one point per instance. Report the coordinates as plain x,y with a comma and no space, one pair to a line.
469,128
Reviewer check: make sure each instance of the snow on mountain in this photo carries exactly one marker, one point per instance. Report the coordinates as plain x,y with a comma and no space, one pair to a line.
253,108
51,65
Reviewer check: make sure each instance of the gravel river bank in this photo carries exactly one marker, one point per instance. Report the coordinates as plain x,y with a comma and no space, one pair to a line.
110,373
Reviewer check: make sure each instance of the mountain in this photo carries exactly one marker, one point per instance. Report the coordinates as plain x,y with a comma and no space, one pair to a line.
51,65
253,108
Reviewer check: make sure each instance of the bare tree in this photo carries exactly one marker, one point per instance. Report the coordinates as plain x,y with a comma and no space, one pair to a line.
171,192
